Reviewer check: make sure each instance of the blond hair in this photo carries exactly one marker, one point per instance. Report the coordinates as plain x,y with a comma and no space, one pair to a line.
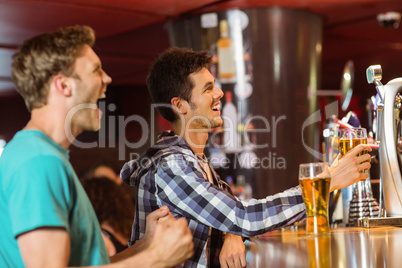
44,56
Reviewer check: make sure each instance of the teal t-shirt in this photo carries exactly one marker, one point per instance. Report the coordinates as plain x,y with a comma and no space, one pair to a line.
40,189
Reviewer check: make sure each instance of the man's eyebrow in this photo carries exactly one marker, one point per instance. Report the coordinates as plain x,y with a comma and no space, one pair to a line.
207,84
97,67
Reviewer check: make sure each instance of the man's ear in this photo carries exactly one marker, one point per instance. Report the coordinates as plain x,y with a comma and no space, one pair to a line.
178,105
62,85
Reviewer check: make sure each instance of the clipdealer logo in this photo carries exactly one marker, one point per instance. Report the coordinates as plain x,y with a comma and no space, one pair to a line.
119,123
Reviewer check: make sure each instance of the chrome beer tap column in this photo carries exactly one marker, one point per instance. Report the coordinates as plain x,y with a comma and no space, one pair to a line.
388,131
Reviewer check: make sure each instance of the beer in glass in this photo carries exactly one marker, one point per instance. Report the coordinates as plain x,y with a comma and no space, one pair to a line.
314,179
351,137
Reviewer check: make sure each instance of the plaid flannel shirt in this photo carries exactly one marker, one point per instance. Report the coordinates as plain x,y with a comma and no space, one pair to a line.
170,174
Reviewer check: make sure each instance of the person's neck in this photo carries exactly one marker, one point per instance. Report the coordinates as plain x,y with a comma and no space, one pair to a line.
51,122
195,138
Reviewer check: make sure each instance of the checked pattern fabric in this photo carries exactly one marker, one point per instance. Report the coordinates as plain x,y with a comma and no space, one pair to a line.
170,174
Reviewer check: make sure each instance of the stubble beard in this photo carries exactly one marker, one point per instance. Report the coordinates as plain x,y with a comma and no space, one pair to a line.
206,123
90,121
201,120
216,122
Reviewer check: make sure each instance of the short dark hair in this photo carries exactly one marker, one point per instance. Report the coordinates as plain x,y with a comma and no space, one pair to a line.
169,77
44,56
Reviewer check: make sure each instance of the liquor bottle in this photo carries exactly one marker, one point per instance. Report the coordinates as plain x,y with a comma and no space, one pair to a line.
229,180
243,189
226,65
229,114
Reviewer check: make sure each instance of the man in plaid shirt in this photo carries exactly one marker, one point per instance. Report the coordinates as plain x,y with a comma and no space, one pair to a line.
175,172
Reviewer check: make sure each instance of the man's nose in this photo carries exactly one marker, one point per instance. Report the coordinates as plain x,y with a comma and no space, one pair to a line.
106,79
218,93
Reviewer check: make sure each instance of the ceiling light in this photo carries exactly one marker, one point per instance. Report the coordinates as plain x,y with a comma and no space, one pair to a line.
389,19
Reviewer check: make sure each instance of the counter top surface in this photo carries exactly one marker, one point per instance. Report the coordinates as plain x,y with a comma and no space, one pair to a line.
349,247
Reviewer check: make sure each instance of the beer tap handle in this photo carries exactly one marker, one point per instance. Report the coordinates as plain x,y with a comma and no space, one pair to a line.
374,75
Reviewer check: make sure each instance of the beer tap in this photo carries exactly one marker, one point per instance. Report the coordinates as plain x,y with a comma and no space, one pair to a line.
387,137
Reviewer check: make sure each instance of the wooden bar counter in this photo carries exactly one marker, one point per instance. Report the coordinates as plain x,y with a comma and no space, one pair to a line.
346,247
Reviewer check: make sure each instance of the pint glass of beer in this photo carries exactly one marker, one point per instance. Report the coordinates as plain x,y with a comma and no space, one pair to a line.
314,179
351,137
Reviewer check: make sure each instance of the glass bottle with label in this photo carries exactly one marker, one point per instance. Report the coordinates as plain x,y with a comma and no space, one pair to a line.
229,115
226,65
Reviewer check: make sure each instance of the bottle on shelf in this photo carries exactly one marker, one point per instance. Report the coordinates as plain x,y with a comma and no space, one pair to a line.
229,180
229,115
226,64
243,189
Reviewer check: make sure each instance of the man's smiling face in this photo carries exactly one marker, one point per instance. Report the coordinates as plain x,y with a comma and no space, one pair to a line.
204,106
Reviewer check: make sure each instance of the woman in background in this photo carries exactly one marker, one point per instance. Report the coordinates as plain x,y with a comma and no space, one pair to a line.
114,210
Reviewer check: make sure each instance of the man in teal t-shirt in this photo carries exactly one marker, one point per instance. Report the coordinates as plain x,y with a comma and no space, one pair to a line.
38,179
46,218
